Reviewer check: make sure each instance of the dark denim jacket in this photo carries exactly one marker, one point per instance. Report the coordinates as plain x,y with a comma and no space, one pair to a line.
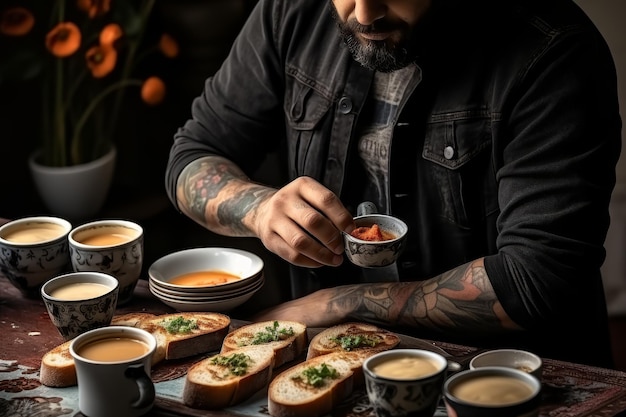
511,153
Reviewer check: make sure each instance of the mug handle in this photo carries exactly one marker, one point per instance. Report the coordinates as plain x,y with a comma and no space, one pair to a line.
366,207
147,392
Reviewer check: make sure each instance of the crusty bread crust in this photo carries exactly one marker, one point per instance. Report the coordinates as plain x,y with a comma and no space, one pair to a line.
131,319
212,386
289,396
57,365
325,341
285,350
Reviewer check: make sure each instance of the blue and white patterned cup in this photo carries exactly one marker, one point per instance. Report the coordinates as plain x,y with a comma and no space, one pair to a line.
34,250
80,301
405,382
112,246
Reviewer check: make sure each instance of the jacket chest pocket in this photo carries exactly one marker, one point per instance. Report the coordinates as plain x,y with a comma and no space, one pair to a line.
460,172
306,109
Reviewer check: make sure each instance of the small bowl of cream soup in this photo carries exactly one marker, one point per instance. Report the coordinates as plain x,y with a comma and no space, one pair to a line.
402,382
80,301
492,391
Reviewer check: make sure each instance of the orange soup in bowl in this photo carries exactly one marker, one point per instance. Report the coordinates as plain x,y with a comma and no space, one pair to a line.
204,278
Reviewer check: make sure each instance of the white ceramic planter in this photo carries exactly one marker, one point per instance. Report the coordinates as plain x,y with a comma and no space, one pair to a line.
78,192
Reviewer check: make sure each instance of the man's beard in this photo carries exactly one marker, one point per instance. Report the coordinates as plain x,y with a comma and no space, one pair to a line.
383,56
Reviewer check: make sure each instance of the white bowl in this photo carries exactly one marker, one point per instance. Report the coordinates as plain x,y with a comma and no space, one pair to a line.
254,284
234,261
220,306
509,358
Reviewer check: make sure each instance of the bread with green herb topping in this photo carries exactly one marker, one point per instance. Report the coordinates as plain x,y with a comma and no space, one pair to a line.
187,334
229,378
287,338
352,337
178,335
313,388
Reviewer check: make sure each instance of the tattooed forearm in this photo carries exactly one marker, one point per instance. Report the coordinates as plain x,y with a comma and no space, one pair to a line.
203,179
461,298
232,211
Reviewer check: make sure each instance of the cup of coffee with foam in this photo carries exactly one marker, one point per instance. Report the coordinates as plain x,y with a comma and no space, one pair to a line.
492,391
80,301
112,246
33,250
113,366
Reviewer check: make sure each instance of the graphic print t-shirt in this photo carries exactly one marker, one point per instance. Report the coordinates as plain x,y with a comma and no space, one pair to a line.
389,92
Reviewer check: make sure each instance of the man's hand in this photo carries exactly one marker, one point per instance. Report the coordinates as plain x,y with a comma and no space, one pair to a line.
302,223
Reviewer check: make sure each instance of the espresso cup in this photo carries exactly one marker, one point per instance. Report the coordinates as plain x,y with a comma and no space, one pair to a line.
375,253
80,301
405,382
492,392
113,366
33,250
111,246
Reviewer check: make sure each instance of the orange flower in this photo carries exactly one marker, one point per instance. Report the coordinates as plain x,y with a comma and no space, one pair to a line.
153,91
110,33
16,21
168,46
64,39
101,60
94,8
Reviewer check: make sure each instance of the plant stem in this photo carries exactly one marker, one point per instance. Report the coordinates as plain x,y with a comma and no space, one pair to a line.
128,67
76,137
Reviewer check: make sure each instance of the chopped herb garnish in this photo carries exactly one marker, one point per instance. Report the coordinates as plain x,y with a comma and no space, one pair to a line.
272,334
237,363
316,376
179,325
356,341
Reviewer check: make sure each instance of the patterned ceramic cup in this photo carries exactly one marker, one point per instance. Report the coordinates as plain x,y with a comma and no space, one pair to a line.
33,250
80,301
373,254
405,382
111,246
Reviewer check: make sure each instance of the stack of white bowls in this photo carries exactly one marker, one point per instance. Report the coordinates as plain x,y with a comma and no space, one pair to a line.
221,297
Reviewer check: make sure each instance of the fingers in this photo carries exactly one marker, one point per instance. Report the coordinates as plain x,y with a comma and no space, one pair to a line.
302,223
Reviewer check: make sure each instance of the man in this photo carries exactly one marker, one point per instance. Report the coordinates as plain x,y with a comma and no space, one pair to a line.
491,128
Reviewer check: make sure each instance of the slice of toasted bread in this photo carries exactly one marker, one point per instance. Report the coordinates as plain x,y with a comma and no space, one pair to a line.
206,333
352,337
212,383
287,338
131,319
292,394
57,367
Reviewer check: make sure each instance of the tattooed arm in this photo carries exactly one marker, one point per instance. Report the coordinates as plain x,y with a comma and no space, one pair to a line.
301,222
461,299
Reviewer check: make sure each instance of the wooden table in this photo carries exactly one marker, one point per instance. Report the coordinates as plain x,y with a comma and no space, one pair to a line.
26,333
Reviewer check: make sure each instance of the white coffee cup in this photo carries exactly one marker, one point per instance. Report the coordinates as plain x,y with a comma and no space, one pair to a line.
114,381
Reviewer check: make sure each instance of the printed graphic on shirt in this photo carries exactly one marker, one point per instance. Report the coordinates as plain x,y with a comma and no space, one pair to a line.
376,134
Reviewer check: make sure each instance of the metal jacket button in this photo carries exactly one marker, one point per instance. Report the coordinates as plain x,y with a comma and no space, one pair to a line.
448,152
345,105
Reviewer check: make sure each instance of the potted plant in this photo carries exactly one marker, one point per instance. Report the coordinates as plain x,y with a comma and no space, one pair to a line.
86,54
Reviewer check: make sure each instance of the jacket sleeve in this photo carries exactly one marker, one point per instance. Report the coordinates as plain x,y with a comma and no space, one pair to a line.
556,174
235,116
